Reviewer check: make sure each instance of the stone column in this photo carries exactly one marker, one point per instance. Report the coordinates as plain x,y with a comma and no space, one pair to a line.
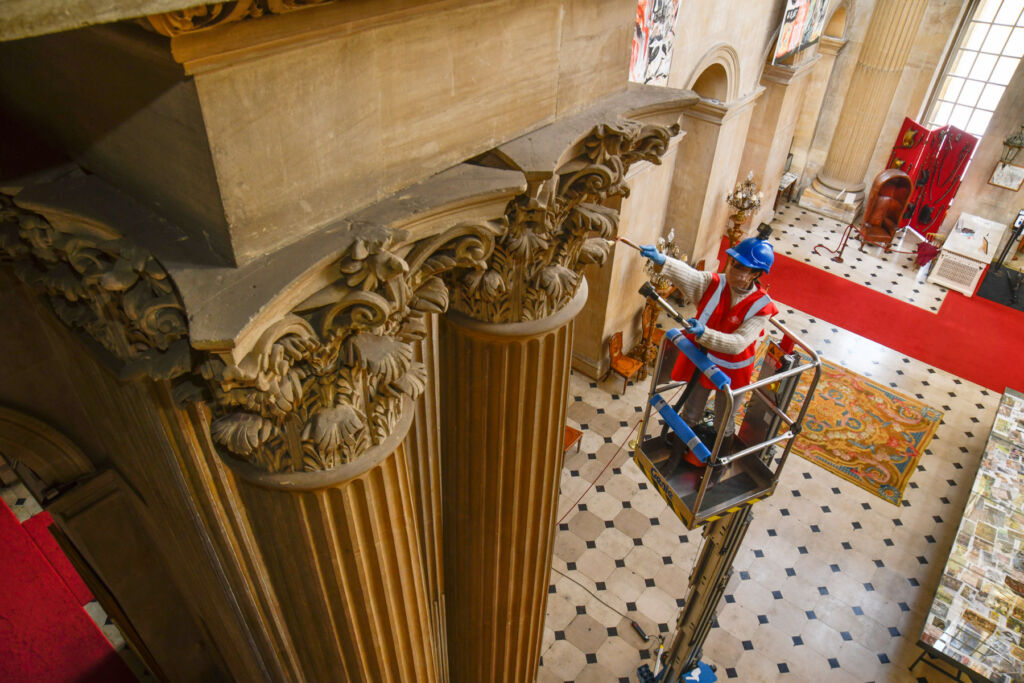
504,393
505,351
807,121
423,445
341,549
838,191
772,127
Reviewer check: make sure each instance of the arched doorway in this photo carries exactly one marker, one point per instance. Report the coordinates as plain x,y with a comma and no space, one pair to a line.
98,521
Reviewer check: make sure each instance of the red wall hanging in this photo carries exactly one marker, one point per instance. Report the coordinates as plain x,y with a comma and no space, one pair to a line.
935,161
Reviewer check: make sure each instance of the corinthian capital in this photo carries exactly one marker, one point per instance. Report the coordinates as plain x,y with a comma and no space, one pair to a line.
562,223
100,284
326,382
213,14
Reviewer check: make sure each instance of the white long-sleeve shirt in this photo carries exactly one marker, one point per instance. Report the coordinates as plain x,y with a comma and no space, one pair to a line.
693,283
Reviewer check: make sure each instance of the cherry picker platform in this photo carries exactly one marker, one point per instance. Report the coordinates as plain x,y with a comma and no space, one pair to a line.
716,485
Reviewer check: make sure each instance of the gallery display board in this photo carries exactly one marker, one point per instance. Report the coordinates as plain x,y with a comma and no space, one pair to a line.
976,620
935,160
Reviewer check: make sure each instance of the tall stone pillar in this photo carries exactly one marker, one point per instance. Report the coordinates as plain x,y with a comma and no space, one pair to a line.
423,444
502,469
505,351
838,191
804,161
314,420
771,132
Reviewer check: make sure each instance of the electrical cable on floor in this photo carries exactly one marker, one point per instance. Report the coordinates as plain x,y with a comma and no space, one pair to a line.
596,597
606,466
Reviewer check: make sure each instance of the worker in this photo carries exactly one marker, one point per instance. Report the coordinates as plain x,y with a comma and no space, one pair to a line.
733,309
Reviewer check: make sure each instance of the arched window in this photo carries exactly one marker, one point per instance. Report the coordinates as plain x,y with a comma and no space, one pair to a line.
980,64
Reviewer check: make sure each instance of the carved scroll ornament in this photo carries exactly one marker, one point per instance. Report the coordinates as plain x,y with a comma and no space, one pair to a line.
213,14
557,227
108,288
326,383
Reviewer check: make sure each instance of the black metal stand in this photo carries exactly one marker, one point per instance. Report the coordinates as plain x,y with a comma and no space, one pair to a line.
838,251
933,654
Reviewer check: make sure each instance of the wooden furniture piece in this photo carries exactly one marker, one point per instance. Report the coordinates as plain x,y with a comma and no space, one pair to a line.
884,209
786,185
622,364
647,347
572,436
883,214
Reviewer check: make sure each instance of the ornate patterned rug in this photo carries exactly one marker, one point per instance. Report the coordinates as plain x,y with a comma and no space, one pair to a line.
865,433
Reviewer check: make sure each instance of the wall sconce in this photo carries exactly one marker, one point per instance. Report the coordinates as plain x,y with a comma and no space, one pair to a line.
1011,146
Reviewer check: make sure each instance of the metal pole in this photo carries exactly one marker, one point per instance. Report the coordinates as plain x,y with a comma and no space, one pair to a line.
722,540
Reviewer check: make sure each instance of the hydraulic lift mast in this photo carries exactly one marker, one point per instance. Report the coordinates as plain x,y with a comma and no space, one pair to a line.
722,540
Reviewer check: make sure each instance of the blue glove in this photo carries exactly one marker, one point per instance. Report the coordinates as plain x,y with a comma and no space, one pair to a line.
651,252
696,327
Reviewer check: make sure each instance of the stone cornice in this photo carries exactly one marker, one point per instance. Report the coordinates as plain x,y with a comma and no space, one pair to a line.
99,284
784,74
214,14
252,297
718,113
224,42
831,46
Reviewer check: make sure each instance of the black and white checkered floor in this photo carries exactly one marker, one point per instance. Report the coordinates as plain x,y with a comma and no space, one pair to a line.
831,584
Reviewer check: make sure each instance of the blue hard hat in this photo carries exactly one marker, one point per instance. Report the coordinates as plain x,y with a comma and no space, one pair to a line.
753,252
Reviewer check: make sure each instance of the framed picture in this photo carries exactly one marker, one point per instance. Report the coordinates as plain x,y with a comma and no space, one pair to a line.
1007,176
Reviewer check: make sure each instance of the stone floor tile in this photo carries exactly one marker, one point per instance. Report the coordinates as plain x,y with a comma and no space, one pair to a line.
595,564
586,633
564,660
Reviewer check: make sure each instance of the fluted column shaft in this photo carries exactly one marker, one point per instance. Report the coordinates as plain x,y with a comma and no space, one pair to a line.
504,392
424,448
887,45
342,553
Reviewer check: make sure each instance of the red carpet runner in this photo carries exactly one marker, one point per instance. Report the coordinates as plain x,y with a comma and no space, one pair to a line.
972,338
45,635
38,528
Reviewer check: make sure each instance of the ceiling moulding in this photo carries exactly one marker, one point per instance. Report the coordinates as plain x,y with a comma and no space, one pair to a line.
232,35
28,18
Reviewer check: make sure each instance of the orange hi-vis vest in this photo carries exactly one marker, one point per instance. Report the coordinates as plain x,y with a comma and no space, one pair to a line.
715,312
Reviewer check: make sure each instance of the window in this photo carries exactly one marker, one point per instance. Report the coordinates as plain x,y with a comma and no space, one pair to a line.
988,50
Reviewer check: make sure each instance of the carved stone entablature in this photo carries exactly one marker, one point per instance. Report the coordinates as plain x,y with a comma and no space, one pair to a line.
562,223
217,13
101,284
325,383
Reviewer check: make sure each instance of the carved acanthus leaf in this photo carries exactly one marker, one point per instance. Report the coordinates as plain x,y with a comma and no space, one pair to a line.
216,14
112,290
594,251
557,227
242,433
331,378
